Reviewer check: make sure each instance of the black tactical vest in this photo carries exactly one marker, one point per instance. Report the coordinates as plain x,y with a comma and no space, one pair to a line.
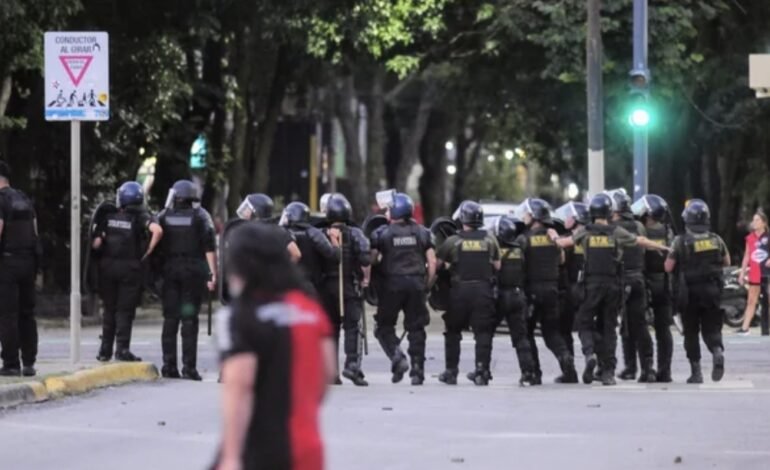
703,258
543,257
122,236
633,256
310,261
511,274
654,261
350,265
180,233
575,259
473,262
601,254
402,251
19,226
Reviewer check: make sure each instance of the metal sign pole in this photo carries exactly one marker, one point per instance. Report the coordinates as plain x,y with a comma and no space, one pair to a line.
640,132
75,302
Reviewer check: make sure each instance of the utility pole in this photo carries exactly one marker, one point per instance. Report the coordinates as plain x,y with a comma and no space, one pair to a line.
595,92
640,83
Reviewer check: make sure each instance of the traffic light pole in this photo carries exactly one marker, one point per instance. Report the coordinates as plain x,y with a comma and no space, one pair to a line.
595,100
641,37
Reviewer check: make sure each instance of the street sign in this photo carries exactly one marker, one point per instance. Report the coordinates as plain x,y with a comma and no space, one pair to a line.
77,76
759,74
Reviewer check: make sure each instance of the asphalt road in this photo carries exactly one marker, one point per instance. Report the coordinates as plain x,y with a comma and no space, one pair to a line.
174,424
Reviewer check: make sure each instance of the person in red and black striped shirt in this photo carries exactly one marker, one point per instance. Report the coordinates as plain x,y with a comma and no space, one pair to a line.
278,355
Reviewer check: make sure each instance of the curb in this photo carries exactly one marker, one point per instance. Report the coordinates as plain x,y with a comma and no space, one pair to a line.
76,383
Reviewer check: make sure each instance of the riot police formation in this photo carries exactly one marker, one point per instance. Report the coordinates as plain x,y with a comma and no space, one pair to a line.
653,212
18,268
597,320
315,248
124,238
543,260
405,254
698,257
473,257
188,252
342,283
511,299
636,335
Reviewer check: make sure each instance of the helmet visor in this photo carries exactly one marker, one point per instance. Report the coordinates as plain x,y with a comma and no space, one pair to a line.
170,199
284,220
641,207
245,210
522,210
565,213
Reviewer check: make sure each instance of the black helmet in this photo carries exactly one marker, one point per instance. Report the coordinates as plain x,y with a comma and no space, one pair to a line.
183,191
696,214
508,228
256,206
295,213
251,247
130,193
576,211
651,205
338,209
536,208
621,199
402,208
601,206
471,214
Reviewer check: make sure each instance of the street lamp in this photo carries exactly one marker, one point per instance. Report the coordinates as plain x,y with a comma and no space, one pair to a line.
451,169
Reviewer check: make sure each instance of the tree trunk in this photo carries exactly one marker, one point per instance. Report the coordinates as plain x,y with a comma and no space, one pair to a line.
412,138
433,159
5,93
348,120
377,137
241,118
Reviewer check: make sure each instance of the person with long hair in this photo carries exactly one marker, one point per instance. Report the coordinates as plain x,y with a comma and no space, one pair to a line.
278,355
754,259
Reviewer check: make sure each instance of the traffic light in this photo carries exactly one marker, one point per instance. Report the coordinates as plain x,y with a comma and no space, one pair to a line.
639,112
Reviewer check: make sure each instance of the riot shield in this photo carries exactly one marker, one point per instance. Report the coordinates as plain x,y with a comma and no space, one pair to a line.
371,292
90,271
438,298
224,292
443,228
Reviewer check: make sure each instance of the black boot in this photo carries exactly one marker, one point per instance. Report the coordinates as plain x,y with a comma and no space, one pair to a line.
191,374
664,376
527,378
399,366
608,377
588,372
28,371
448,377
126,356
537,377
648,373
353,373
568,373
10,372
628,373
417,374
719,365
481,376
169,371
696,375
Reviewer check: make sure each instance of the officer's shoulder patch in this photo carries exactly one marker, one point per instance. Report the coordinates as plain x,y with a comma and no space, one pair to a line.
600,241
707,244
540,241
474,245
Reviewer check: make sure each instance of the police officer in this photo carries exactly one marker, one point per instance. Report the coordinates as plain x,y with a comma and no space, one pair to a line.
189,255
653,211
18,266
636,335
473,256
511,300
543,258
314,246
346,277
408,266
699,256
121,237
575,216
603,250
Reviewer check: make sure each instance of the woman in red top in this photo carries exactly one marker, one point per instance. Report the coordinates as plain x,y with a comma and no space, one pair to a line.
754,257
278,355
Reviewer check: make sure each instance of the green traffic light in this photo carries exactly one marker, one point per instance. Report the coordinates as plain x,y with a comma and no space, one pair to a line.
639,118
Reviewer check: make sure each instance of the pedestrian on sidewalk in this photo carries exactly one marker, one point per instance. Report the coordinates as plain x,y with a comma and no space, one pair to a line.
754,258
278,354
18,267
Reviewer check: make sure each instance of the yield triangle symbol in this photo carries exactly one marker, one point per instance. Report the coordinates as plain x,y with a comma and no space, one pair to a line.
76,66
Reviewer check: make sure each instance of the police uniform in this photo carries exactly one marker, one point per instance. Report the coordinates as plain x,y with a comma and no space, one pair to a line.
699,258
470,255
18,245
316,249
603,249
543,258
635,301
403,246
512,303
573,267
355,256
660,297
188,236
124,235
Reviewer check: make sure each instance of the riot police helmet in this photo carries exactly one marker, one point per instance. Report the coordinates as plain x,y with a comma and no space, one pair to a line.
403,207
130,193
573,213
508,228
471,214
601,206
256,206
295,213
536,209
182,192
696,214
621,200
338,209
651,205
